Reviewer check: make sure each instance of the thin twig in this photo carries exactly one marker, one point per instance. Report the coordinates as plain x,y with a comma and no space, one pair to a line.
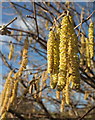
9,23
85,19
35,18
86,113
21,7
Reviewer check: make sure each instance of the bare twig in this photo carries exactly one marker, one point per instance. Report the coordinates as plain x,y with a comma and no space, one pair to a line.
86,113
85,19
45,109
35,18
9,23
21,7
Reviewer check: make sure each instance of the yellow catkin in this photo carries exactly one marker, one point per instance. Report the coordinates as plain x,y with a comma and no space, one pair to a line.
24,57
87,53
3,116
14,91
43,82
53,80
73,65
63,48
67,93
62,106
82,49
21,69
91,39
11,51
6,99
20,37
3,94
50,51
58,94
63,56
6,94
10,88
56,59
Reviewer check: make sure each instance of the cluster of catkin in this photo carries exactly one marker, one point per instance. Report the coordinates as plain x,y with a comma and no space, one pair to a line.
62,55
9,92
87,47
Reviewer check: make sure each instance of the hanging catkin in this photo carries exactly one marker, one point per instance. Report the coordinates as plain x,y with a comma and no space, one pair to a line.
5,86
82,49
62,106
10,88
73,64
54,75
91,39
24,57
63,54
58,94
50,51
67,92
21,69
6,95
11,51
87,53
63,48
3,116
20,37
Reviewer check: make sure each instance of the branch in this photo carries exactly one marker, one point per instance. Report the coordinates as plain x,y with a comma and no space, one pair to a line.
21,7
33,35
85,19
35,18
9,23
86,113
45,109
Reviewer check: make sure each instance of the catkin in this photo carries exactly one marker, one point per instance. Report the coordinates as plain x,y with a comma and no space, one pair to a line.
6,99
91,39
82,49
73,65
11,51
54,75
63,53
24,57
62,106
3,117
14,91
63,60
50,51
58,94
88,53
43,82
3,94
21,69
67,92
10,88
20,37
6,94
